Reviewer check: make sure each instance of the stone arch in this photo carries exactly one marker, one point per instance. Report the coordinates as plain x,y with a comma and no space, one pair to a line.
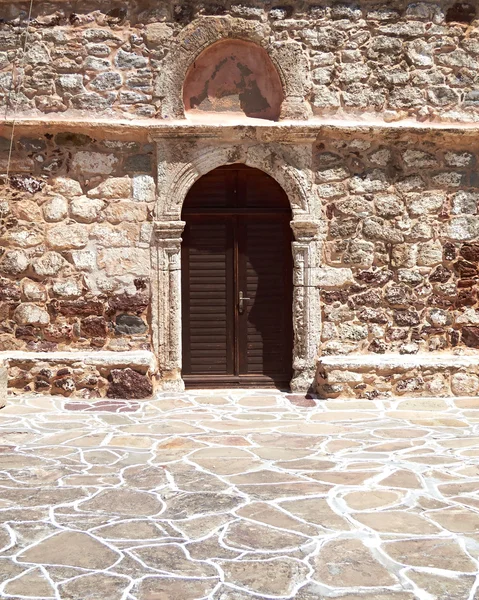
234,76
185,157
288,58
295,182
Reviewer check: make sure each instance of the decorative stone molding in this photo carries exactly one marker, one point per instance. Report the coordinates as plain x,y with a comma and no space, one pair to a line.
166,301
306,309
288,57
182,160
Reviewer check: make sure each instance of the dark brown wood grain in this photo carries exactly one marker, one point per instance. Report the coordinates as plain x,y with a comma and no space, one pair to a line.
237,238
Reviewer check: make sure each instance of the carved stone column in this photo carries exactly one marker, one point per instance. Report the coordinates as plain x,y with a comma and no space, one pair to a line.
166,317
306,306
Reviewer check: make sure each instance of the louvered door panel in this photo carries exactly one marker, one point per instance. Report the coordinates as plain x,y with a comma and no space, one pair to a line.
208,302
265,273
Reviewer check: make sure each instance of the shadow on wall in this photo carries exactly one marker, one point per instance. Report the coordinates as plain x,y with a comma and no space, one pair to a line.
234,76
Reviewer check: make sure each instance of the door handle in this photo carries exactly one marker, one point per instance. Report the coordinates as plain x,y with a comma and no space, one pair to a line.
241,302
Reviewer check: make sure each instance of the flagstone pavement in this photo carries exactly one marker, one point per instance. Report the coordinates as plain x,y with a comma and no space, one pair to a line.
239,495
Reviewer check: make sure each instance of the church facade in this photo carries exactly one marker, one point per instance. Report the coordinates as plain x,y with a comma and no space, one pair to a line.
240,194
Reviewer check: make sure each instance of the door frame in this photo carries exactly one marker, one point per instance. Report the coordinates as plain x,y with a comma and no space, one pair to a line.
183,156
237,220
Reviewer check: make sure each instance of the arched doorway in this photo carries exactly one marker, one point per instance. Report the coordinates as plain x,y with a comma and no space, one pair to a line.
237,281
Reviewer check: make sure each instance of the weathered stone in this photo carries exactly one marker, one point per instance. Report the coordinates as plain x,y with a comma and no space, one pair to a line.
173,560
464,384
30,585
95,327
184,505
129,302
165,587
334,277
129,325
129,60
67,187
438,553
94,162
31,314
113,187
252,536
123,502
470,336
86,210
144,188
348,563
50,264
255,576
127,383
442,588
66,236
106,81
81,306
397,522
55,209
14,262
316,510
70,548
94,585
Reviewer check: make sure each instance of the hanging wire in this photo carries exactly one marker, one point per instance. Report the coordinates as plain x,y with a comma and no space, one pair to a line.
15,104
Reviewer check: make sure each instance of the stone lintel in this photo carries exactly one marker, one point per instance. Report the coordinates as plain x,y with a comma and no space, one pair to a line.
306,131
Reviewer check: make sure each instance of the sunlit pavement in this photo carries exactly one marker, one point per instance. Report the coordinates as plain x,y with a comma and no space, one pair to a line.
239,494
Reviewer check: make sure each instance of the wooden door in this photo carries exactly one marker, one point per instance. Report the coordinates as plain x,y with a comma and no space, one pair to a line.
237,243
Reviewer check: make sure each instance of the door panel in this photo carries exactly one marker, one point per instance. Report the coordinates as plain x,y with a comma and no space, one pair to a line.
237,239
264,273
207,261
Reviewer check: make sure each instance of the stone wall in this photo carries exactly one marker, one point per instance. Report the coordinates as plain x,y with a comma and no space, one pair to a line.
75,244
384,208
400,259
394,60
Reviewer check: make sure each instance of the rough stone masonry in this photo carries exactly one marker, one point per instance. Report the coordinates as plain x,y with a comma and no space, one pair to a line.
374,141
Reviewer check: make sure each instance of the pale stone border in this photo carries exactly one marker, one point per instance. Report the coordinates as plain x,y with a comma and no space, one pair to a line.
142,360
288,57
425,375
183,156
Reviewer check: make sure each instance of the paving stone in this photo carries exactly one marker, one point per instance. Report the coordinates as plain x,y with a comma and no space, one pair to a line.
164,588
73,549
253,536
94,586
189,505
316,510
199,527
313,591
123,502
438,554
270,515
276,577
395,521
401,479
32,584
173,560
177,496
443,588
131,530
370,499
348,563
458,520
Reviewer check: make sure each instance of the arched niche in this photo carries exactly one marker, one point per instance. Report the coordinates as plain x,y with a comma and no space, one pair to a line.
234,76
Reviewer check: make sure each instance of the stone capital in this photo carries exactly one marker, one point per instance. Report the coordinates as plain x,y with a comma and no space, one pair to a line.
168,232
305,231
